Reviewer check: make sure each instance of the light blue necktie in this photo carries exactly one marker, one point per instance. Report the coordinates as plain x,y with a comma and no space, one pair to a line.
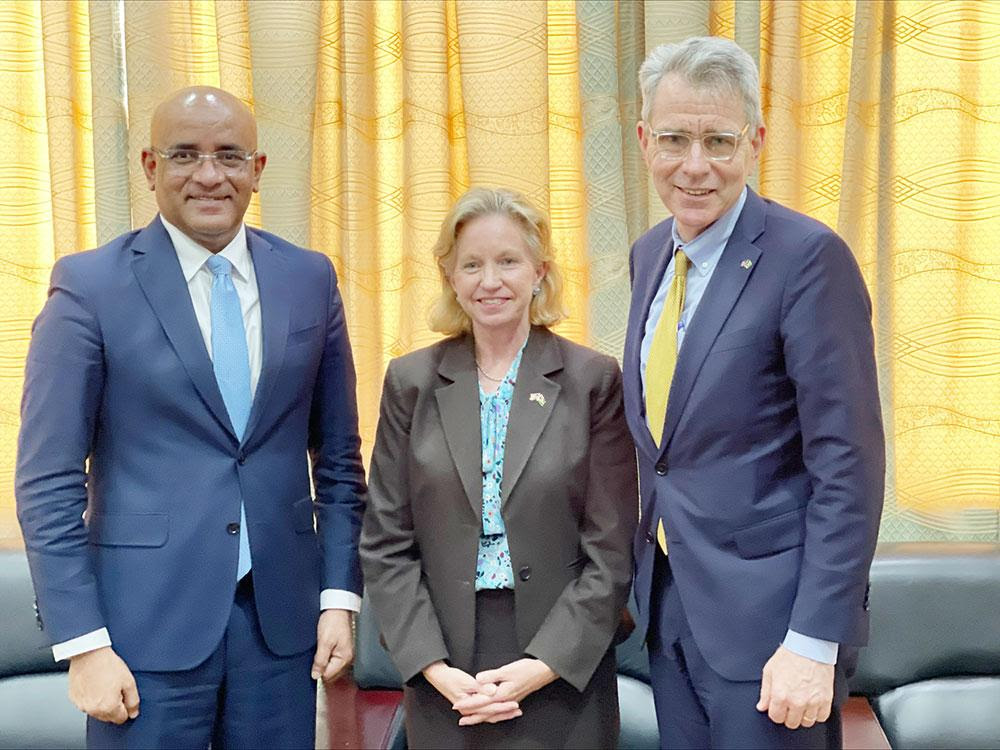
231,363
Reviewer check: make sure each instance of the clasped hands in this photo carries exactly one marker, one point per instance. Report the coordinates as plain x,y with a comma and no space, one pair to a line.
493,695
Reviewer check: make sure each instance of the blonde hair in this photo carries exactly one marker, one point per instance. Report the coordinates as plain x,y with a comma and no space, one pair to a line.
447,315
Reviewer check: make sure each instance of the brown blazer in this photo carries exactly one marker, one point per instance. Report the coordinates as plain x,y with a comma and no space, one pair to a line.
569,505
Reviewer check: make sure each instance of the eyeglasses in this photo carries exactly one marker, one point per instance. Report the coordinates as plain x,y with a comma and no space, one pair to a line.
188,159
672,144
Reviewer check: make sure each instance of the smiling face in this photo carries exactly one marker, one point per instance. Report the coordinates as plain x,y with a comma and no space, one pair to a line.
697,190
206,203
493,275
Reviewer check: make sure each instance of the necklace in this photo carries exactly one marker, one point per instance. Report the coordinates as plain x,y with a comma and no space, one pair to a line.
487,375
501,379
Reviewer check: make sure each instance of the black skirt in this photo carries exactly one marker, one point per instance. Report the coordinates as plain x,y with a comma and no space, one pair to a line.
557,716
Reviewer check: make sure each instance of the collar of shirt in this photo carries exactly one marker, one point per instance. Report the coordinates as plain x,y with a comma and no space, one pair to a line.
192,256
705,250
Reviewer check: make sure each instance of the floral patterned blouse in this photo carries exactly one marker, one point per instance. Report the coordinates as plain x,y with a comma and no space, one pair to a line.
493,566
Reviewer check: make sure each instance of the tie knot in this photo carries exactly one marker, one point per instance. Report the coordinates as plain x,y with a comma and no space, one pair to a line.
219,266
680,263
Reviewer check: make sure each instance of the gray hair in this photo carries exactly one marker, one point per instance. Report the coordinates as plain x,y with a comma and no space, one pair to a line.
708,62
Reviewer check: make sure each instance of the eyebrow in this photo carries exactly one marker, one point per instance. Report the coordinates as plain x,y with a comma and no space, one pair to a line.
223,147
685,131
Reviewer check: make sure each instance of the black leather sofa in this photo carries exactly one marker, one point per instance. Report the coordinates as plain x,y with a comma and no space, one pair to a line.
932,667
34,709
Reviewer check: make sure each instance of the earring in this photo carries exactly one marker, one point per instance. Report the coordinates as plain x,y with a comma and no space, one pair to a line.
536,291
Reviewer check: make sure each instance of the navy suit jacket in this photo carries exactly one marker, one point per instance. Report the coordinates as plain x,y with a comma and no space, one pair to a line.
769,476
122,418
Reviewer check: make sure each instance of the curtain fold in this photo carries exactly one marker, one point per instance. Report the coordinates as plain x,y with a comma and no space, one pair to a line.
883,121
920,207
611,48
69,120
112,203
27,225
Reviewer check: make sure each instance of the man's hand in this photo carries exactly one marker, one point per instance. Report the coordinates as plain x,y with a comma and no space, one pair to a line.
461,688
514,682
334,644
101,685
795,690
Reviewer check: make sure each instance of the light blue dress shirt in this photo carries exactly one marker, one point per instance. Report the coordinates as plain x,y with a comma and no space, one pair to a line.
704,252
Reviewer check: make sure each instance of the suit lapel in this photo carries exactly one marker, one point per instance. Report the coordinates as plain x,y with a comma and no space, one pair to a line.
458,405
534,399
725,287
273,288
159,274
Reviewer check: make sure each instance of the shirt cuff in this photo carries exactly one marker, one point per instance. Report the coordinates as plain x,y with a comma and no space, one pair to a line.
816,649
338,599
81,644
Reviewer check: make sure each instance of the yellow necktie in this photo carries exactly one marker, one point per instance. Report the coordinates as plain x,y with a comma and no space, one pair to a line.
662,360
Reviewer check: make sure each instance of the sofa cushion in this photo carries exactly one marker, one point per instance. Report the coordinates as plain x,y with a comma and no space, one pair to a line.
639,730
950,712
35,713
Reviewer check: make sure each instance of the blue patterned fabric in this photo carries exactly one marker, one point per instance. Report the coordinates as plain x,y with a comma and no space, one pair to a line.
231,362
493,566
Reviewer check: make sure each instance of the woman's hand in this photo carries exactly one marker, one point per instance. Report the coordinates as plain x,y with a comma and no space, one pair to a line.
513,683
462,688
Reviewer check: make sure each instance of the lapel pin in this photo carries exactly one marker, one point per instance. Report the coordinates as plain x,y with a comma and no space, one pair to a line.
538,398
746,263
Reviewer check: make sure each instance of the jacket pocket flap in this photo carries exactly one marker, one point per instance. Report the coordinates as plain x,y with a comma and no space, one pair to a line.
772,534
735,340
298,326
298,332
128,529
302,514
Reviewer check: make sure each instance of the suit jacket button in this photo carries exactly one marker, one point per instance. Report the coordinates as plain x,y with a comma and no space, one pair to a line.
241,459
649,537
233,528
524,573
661,468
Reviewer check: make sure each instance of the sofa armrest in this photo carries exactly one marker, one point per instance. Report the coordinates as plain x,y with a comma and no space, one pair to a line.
359,719
862,730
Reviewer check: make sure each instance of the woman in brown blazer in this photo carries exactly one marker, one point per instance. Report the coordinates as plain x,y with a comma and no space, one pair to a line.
497,541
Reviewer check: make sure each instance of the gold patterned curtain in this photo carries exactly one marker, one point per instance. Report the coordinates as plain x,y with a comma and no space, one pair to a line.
883,121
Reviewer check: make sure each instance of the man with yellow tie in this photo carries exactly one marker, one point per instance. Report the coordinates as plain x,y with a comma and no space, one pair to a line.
751,393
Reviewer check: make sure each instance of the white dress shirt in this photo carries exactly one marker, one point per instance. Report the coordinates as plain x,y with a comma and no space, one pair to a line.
192,258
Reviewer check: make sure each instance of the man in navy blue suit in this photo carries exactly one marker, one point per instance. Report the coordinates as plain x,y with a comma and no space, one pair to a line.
182,381
750,390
